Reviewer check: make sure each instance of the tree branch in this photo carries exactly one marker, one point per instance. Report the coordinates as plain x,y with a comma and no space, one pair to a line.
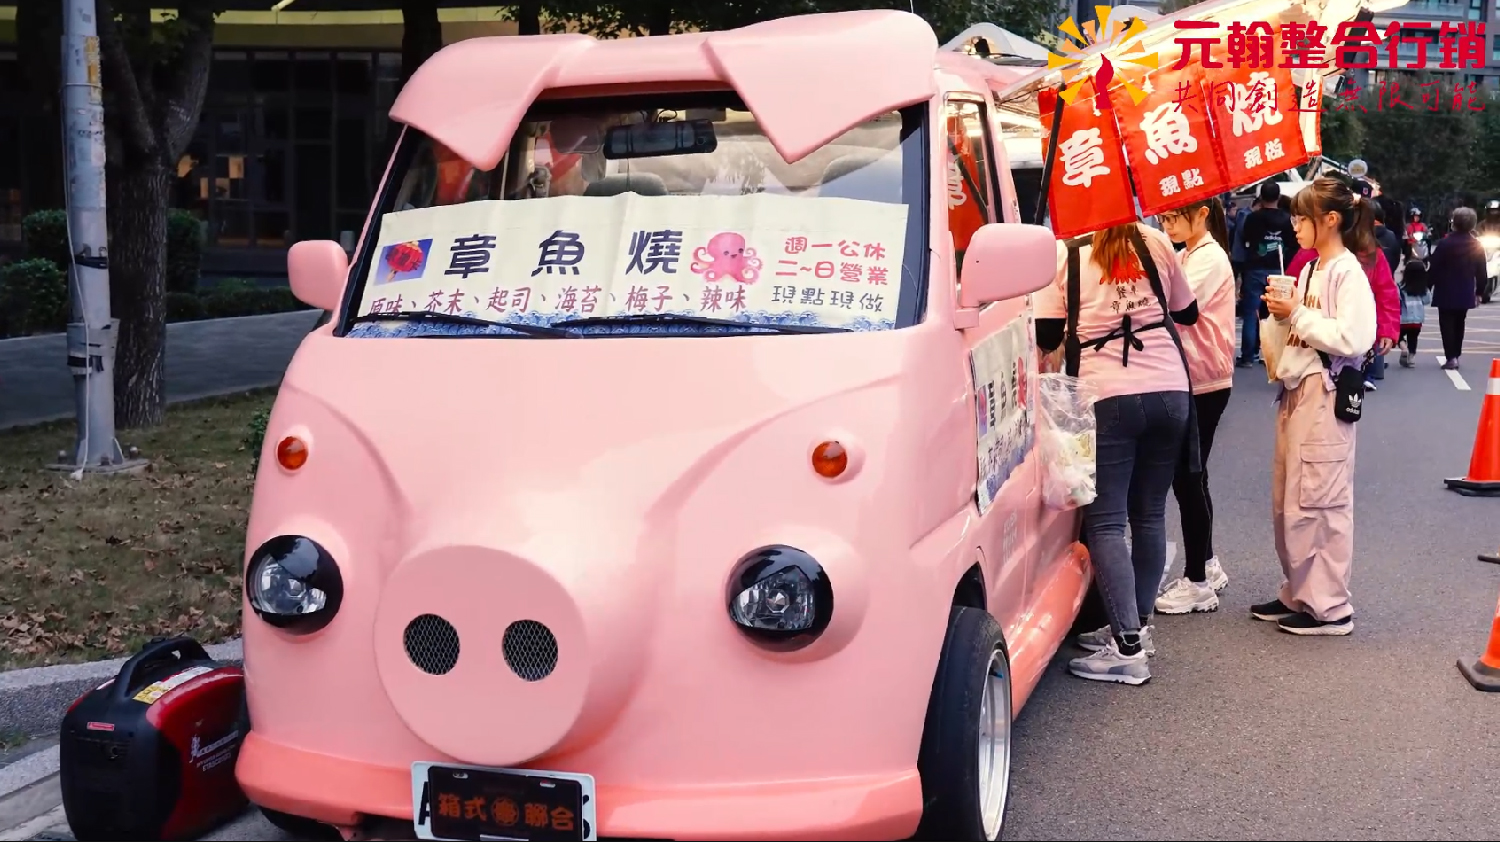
115,58
183,102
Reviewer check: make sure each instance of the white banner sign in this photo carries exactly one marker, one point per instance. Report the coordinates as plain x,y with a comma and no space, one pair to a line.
759,259
1003,370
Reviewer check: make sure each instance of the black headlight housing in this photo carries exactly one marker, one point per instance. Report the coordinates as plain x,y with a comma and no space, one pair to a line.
780,596
294,584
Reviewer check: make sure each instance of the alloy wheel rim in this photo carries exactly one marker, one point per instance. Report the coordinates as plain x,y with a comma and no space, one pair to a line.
994,745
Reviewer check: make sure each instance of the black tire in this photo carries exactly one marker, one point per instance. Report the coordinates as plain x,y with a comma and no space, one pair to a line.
949,757
300,828
294,826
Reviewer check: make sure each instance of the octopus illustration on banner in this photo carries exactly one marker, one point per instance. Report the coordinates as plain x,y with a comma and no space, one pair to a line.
761,259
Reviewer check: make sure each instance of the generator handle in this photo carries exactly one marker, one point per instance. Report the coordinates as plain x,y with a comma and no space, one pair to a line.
183,648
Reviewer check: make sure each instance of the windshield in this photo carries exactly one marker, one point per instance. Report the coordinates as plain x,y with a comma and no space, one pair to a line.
669,214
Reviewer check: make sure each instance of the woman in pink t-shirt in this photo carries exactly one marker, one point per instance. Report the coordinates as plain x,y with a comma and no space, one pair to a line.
1209,346
1125,350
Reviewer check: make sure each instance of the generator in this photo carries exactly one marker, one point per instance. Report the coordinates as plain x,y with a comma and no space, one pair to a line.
150,754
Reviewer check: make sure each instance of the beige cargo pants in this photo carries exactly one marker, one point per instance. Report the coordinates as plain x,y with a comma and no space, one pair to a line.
1312,502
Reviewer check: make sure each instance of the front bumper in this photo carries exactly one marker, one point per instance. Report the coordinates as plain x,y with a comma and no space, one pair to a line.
343,792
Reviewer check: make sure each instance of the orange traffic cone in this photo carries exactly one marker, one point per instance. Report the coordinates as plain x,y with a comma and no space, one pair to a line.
1484,673
1484,464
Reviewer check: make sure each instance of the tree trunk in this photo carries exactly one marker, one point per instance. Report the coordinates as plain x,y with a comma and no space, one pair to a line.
137,272
529,17
421,34
659,19
39,48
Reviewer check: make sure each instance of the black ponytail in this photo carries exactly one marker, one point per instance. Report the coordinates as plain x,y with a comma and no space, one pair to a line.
1218,221
1356,213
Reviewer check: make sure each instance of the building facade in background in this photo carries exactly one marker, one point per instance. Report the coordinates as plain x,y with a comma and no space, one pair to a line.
1424,19
292,128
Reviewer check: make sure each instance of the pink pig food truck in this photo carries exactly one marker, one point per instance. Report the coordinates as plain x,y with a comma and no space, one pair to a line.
655,476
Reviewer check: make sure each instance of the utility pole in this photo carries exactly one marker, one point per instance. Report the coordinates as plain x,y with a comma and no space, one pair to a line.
91,331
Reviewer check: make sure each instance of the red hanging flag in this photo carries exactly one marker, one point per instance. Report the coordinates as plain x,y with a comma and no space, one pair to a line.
1259,128
1170,141
1089,189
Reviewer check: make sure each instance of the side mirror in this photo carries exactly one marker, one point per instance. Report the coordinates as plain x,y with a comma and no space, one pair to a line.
1007,260
319,270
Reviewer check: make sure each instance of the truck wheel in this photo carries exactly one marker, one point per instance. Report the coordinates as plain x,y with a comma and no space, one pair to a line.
295,826
300,828
965,756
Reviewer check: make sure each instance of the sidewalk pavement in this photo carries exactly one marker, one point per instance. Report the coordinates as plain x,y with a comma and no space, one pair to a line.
217,356
33,701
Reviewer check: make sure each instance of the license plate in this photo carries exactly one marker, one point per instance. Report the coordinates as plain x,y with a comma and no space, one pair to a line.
457,802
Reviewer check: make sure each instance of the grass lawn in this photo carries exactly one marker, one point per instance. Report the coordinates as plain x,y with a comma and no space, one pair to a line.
94,569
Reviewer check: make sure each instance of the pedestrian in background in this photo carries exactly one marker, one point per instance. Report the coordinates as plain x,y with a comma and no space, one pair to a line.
1269,245
1327,326
1209,345
1456,271
1416,296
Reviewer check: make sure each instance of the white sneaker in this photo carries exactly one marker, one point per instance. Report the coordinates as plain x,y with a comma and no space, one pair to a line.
1109,664
1104,637
1217,578
1186,596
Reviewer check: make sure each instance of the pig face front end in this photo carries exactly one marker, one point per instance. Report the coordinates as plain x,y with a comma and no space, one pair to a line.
644,602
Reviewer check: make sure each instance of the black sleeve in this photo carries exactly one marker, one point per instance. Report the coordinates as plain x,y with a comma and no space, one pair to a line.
1187,315
1254,225
1049,333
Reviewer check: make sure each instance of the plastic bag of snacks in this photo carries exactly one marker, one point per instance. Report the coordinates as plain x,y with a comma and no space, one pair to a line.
1065,440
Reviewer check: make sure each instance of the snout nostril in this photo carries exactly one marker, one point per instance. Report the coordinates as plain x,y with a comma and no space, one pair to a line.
431,644
530,650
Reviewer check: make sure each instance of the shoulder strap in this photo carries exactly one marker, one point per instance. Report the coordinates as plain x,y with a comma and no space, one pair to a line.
1192,453
1072,345
1148,264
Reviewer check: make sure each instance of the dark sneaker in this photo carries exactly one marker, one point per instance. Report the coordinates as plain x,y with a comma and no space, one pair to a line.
1306,624
1270,611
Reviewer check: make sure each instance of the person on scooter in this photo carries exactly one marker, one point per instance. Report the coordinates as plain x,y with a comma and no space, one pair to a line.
1490,224
1488,232
1415,226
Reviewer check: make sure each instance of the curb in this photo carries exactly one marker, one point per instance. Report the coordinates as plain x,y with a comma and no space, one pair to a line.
287,316
34,700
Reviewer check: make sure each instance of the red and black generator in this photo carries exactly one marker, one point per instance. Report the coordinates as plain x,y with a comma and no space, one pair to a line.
150,754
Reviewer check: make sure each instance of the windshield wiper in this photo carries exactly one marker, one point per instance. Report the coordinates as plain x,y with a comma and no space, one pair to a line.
670,318
546,331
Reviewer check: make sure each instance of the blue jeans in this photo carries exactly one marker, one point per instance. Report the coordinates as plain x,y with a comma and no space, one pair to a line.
1139,444
1252,287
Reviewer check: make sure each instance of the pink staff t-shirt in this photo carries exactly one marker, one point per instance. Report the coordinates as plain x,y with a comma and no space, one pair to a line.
1154,367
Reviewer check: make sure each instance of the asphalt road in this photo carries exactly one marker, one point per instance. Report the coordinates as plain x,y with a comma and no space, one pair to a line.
1248,733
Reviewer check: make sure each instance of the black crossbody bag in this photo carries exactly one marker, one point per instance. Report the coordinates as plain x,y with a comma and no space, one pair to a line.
1349,384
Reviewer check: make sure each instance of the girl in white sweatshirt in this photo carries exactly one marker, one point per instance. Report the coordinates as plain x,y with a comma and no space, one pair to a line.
1209,345
1327,325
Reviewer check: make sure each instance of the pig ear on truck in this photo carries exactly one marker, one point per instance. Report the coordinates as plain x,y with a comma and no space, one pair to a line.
318,271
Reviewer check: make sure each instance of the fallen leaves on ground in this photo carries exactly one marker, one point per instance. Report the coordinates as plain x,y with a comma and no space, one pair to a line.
97,567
